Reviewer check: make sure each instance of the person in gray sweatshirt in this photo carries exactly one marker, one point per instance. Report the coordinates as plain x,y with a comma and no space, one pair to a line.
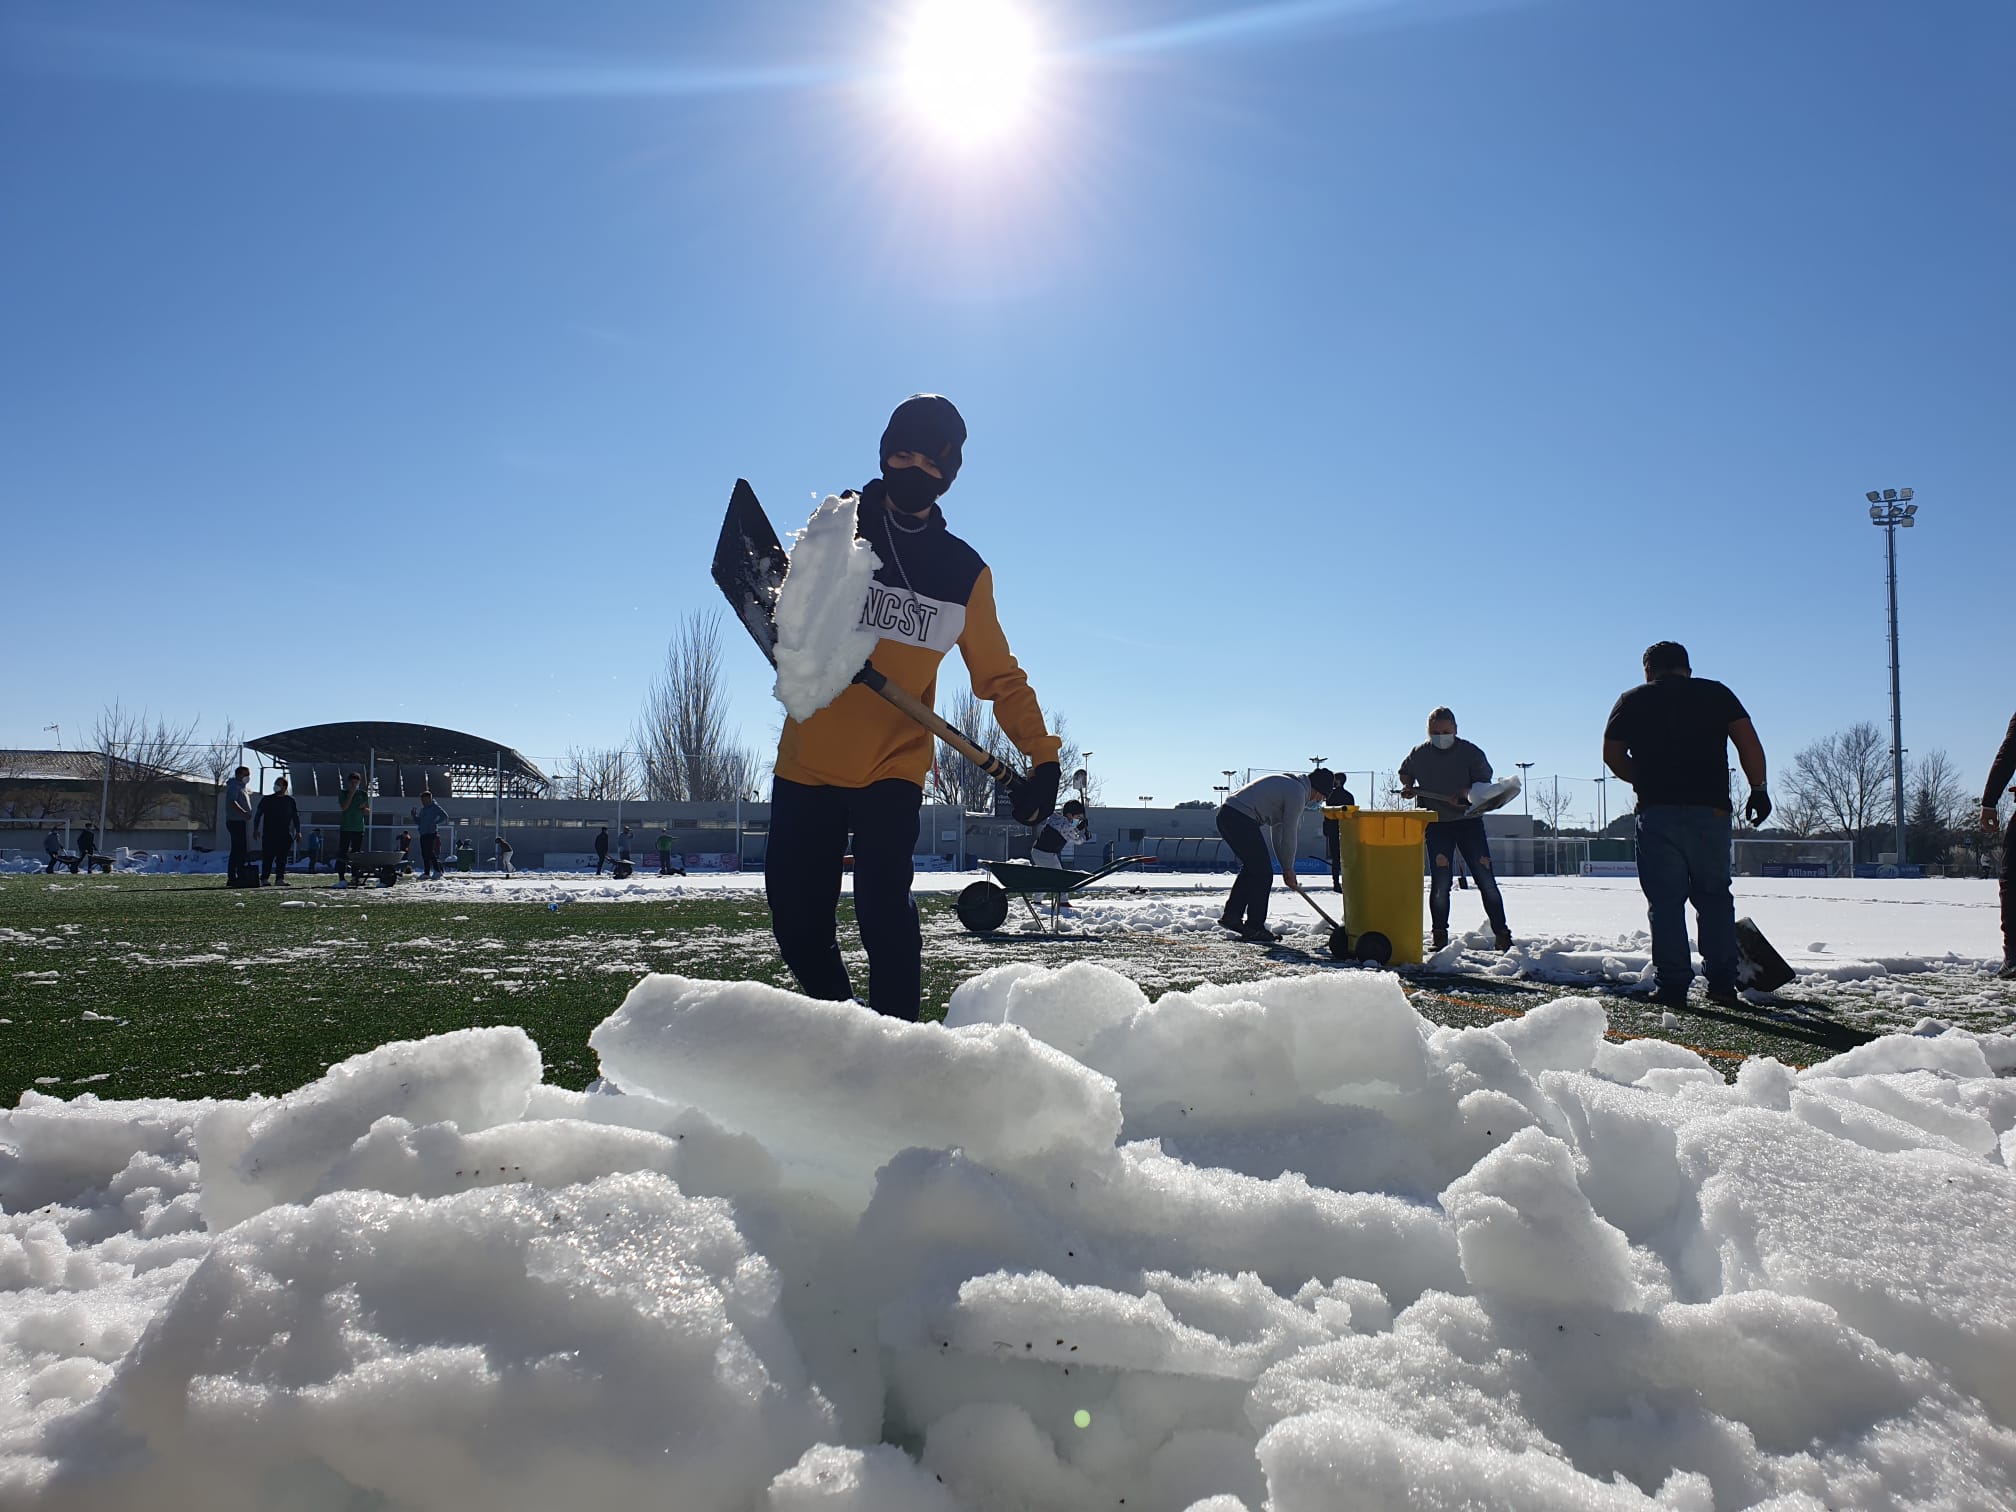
1275,803
1438,775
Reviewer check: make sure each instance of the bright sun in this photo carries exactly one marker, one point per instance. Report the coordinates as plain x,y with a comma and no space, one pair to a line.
969,65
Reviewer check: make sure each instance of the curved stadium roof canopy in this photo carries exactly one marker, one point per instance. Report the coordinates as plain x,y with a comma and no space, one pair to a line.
404,758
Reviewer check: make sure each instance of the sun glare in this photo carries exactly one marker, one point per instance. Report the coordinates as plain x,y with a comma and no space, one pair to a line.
969,66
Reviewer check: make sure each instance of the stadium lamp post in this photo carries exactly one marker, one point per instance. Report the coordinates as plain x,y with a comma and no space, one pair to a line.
1888,509
1602,804
1525,797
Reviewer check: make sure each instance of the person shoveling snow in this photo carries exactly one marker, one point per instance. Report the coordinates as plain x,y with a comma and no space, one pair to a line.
850,762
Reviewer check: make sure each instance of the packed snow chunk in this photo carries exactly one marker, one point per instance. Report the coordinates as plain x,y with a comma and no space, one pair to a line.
1067,1007
515,1349
438,1160
1526,1235
266,1151
1326,1461
822,638
880,1478
1560,1036
1344,1031
1227,1327
57,1151
1633,1061
833,1091
1911,1247
1955,1054
713,1161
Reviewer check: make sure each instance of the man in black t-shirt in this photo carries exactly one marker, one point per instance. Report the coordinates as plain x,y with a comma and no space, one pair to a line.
1669,739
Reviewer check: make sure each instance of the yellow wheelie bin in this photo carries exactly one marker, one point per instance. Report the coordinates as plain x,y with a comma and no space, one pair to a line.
1384,857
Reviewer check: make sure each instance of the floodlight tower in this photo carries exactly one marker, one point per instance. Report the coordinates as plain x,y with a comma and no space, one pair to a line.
1888,509
1525,798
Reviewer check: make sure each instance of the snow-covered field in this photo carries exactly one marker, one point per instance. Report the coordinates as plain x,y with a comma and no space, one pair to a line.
1878,952
1279,1245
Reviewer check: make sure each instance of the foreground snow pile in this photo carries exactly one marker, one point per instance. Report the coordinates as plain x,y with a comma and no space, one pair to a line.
1280,1245
821,641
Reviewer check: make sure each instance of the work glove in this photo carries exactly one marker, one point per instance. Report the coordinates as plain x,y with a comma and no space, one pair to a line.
1033,798
1757,808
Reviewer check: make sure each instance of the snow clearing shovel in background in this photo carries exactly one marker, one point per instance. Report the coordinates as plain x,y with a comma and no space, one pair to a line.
1340,938
749,567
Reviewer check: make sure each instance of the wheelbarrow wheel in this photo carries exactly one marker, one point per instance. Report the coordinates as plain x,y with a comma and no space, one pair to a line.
982,907
1340,944
1374,947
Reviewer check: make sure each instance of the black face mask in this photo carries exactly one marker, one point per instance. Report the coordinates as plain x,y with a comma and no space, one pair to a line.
911,489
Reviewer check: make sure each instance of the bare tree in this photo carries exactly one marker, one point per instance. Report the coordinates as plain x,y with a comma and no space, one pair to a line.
603,774
689,752
1938,808
1844,778
142,758
1551,804
218,757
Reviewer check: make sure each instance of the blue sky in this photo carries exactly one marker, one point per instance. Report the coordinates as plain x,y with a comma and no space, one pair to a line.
1553,328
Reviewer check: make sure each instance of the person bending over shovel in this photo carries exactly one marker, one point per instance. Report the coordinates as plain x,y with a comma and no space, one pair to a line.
1438,775
858,765
1276,802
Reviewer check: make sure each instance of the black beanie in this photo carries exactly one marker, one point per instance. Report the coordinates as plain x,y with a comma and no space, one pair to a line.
927,424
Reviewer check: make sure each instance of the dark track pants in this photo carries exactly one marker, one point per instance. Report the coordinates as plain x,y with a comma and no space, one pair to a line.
240,851
273,859
809,826
346,842
1446,838
1247,907
430,855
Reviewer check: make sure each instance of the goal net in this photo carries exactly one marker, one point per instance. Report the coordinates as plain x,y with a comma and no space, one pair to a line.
1753,857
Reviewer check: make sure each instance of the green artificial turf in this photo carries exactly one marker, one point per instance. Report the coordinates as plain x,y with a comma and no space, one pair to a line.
180,987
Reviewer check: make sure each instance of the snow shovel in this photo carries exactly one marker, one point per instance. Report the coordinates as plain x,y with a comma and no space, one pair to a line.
1340,939
1483,800
749,565
1759,967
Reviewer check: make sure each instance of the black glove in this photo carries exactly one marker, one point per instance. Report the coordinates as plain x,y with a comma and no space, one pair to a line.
1758,808
1034,798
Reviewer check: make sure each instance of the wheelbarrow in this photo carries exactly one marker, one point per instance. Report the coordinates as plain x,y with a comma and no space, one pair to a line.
983,905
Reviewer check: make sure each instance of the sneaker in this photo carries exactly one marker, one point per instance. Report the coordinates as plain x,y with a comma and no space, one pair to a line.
1226,921
2008,971
1502,938
1259,934
1726,997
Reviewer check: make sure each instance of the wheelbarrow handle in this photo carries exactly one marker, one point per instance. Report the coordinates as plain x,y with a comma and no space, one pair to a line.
1315,905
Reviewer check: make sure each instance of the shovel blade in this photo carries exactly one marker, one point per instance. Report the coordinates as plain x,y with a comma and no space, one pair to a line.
749,563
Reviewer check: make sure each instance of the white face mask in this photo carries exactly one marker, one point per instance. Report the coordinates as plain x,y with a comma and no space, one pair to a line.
1442,742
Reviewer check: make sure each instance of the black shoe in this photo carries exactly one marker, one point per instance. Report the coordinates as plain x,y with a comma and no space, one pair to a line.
2008,971
1258,934
1226,921
1726,997
1441,938
1502,938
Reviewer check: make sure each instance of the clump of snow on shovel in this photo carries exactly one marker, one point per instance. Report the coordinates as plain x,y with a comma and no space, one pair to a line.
821,642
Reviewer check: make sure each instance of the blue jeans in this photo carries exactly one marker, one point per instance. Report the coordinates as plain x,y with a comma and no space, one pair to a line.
1444,839
1683,857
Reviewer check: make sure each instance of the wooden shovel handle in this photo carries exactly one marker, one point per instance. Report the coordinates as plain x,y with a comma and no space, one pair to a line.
926,716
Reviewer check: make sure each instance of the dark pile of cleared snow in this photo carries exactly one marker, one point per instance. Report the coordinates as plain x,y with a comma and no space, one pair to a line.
1278,1245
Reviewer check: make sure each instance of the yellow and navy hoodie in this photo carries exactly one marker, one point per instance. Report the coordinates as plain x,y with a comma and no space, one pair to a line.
931,593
